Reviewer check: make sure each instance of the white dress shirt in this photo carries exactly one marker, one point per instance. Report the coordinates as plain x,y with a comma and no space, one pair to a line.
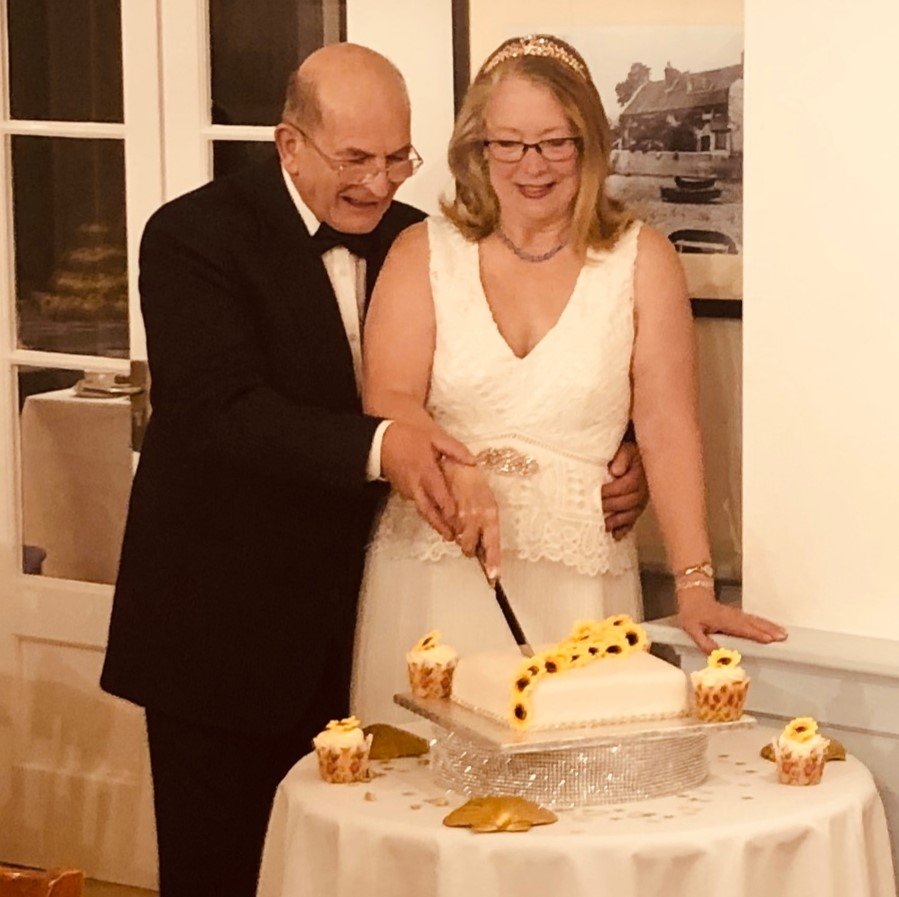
347,275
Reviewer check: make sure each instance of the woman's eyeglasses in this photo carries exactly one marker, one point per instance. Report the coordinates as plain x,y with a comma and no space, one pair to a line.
554,149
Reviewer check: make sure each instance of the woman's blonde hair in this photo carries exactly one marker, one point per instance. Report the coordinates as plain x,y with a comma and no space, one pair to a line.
597,220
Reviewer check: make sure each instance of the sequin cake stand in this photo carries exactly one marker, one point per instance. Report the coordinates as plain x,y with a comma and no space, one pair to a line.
565,768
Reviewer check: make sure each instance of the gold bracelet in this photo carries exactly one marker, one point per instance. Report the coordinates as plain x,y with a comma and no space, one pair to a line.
680,586
705,568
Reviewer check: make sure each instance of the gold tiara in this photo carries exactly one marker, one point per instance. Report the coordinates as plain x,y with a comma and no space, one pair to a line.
537,45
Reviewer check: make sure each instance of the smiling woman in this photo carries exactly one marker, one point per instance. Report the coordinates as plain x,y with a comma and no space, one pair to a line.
533,320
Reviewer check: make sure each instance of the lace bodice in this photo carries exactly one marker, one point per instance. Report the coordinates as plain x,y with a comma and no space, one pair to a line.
565,405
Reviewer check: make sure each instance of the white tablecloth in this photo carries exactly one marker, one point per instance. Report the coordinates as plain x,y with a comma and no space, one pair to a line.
76,479
741,834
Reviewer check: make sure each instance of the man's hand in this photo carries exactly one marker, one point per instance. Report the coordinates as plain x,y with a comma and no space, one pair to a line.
625,497
699,614
409,459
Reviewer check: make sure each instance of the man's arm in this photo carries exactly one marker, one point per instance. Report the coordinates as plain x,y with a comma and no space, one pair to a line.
209,371
625,496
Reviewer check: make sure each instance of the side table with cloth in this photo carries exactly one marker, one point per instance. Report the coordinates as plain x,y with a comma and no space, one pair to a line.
77,470
740,834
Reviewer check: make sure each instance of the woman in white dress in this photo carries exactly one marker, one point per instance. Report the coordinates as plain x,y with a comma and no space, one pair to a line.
531,323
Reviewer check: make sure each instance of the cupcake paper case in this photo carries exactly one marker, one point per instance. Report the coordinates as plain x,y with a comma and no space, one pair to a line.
342,750
719,690
800,752
431,666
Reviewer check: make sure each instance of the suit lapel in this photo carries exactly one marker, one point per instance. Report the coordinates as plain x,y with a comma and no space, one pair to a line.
299,279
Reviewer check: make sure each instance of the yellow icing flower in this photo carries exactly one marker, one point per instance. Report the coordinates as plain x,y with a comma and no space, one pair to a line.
428,642
616,621
801,729
586,630
520,713
635,636
614,644
525,680
724,657
551,662
578,654
343,725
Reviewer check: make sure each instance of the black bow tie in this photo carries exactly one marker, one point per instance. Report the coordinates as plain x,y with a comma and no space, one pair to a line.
361,245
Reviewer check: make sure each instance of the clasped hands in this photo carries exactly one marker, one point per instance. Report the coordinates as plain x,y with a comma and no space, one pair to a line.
452,494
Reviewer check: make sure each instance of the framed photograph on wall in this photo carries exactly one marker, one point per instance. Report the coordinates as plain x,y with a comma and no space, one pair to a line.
674,98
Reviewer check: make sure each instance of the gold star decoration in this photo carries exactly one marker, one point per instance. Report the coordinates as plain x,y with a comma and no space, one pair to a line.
388,742
499,814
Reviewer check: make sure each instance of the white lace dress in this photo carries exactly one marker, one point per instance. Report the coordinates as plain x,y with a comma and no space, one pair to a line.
565,407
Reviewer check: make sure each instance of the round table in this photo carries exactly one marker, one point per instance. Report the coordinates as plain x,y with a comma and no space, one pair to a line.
740,834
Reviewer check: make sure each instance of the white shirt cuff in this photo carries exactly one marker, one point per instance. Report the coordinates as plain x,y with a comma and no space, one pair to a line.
373,468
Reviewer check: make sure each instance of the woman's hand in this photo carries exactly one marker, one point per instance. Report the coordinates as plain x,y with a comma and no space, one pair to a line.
477,517
699,614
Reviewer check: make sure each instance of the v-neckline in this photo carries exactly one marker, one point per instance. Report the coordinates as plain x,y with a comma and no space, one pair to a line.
496,328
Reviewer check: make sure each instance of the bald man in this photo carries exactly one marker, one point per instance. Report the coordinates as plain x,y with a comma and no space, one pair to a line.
234,609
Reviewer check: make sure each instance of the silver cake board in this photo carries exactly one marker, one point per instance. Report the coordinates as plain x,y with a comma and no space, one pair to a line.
565,768
491,734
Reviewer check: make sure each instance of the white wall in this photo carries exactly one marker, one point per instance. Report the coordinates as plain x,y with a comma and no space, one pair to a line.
417,37
821,320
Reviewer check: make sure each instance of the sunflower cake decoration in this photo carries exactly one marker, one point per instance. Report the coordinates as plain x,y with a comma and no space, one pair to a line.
589,641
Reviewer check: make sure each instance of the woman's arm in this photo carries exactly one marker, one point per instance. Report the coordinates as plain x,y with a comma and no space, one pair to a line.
400,332
666,420
400,335
399,345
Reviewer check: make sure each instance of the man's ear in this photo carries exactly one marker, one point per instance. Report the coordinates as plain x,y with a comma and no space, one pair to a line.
289,143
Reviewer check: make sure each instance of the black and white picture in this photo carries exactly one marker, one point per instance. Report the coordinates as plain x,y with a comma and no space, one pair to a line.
674,98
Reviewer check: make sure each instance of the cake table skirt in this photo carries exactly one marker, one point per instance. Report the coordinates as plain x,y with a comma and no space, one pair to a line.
740,833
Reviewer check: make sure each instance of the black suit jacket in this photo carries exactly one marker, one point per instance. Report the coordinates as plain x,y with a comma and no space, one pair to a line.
250,511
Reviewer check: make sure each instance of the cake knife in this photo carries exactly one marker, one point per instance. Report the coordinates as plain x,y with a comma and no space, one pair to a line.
508,614
511,620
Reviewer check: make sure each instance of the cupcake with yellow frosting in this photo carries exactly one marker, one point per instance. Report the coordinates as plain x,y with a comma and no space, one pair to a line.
799,752
342,750
431,665
719,689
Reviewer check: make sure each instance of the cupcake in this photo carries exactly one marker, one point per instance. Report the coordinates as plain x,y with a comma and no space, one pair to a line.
719,689
342,751
431,666
799,752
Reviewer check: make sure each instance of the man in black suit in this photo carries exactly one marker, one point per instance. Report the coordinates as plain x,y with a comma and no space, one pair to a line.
235,603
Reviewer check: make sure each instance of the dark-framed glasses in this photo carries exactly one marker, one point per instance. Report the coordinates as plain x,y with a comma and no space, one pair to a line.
553,149
398,166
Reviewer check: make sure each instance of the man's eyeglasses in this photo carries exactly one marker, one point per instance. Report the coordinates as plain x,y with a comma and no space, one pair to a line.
554,149
356,172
